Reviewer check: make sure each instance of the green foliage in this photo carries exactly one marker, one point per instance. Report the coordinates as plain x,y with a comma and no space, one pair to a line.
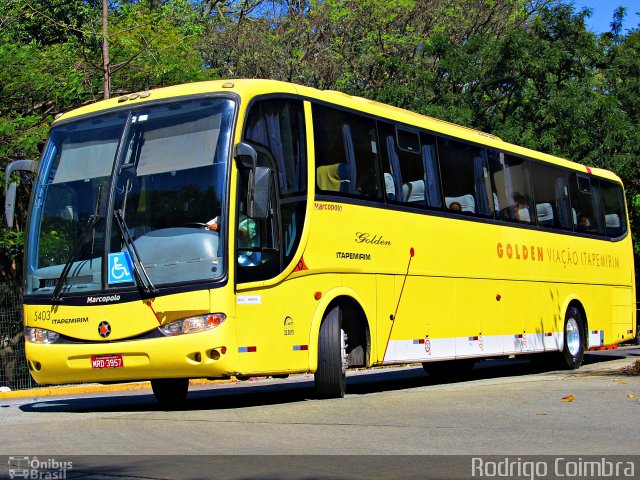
55,246
154,45
11,248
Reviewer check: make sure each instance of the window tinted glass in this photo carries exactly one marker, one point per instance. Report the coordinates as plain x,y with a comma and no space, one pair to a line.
410,175
465,177
550,192
171,184
346,153
408,140
512,196
429,153
615,219
585,211
265,246
278,125
404,177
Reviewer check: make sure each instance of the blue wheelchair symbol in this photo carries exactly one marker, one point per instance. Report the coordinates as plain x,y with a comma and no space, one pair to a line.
120,268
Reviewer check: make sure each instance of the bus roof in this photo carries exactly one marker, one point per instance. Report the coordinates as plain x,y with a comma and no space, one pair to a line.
249,88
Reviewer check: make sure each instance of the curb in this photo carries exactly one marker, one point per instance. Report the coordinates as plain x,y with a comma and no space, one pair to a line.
96,387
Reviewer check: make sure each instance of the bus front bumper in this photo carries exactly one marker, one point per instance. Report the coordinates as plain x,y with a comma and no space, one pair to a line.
198,355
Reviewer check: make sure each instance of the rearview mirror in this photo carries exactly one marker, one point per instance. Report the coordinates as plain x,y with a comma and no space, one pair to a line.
11,188
258,198
246,154
10,204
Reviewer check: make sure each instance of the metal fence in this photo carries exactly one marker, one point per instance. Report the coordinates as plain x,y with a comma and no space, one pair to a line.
14,372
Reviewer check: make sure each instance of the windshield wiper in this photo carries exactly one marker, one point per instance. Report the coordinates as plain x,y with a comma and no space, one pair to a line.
138,267
91,222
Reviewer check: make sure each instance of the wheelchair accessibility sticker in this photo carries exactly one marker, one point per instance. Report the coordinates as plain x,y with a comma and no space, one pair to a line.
120,268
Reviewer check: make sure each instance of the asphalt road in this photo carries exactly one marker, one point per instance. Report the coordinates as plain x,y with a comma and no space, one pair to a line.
502,408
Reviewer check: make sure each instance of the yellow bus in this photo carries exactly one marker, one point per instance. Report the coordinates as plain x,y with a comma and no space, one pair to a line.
260,228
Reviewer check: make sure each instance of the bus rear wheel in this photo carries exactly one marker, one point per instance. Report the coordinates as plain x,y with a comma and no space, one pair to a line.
330,377
170,392
572,352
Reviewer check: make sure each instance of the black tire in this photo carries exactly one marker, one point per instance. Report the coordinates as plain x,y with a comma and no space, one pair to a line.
330,377
170,392
572,352
449,368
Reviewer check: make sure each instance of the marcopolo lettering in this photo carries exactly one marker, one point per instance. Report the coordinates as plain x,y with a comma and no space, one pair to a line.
104,299
328,206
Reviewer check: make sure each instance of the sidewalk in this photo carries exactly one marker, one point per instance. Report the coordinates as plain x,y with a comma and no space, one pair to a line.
56,390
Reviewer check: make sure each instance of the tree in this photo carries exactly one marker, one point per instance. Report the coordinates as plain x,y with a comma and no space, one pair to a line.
51,61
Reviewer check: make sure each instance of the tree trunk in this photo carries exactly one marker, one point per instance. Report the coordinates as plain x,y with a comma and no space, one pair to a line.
105,51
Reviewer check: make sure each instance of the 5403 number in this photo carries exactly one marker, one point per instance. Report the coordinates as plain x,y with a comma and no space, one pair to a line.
42,315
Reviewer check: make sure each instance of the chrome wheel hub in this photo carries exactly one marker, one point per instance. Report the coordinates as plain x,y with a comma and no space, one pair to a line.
343,351
572,333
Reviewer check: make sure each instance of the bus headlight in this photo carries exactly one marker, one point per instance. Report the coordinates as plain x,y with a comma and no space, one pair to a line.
193,324
40,335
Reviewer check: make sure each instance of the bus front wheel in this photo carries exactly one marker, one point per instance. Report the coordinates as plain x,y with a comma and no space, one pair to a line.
330,377
572,352
170,392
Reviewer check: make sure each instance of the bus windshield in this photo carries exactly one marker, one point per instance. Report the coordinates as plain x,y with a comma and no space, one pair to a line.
140,191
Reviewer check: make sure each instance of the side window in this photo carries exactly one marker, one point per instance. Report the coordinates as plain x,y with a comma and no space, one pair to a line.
465,177
510,177
551,194
276,129
346,151
585,204
615,219
428,151
410,171
278,125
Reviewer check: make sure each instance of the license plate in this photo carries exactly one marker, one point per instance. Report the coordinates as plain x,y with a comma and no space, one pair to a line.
106,361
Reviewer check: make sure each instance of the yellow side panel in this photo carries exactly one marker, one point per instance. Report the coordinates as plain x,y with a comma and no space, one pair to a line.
479,307
386,306
277,322
622,316
549,308
426,308
480,314
521,302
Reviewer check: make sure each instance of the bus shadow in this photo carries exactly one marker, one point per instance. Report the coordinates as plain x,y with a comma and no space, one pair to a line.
238,395
592,358
296,389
